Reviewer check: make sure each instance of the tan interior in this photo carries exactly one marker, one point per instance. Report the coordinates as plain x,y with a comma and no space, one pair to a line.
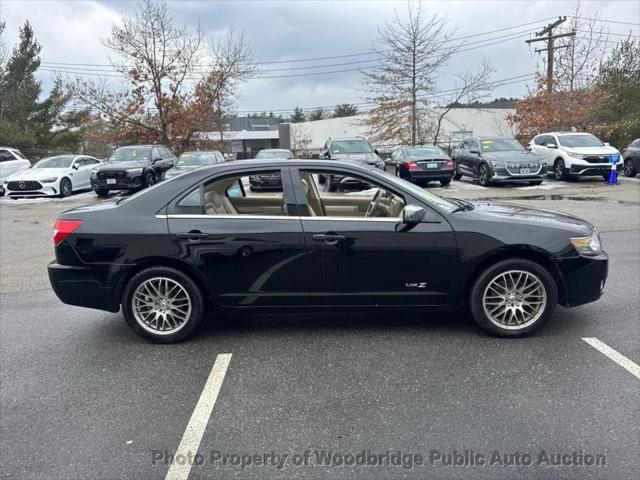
335,204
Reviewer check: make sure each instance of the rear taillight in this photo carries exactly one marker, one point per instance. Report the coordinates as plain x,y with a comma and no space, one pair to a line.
412,166
63,228
450,164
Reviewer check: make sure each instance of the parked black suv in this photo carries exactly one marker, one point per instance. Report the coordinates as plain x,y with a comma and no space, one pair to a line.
132,168
348,148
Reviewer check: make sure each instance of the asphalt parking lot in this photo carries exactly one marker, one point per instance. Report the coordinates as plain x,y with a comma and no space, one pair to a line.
83,397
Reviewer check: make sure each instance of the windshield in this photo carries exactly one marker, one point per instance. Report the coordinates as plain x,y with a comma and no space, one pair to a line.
195,159
429,198
500,145
274,154
576,141
426,152
129,154
63,161
351,146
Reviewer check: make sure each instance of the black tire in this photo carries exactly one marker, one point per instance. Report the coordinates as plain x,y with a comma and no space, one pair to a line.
456,174
629,169
194,293
331,186
66,188
149,179
102,192
445,181
483,175
559,170
520,264
535,183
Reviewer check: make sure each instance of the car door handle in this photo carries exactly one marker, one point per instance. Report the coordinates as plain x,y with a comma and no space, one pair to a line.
330,238
193,235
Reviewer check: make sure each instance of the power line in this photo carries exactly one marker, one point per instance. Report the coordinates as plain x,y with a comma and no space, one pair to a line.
513,27
637,24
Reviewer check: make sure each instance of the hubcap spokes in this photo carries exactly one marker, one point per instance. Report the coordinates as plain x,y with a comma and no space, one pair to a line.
161,305
514,299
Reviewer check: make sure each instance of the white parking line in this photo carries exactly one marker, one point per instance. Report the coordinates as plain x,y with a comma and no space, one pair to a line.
624,362
199,418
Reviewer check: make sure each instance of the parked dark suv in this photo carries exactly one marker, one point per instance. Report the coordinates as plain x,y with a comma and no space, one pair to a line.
132,168
348,148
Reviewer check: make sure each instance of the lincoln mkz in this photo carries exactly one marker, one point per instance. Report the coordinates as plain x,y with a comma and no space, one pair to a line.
202,242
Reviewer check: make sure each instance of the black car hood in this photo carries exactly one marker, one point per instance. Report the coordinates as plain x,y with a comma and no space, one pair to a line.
368,158
529,216
122,165
513,156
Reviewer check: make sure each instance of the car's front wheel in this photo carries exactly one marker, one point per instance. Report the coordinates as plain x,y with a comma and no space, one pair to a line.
66,188
629,169
559,170
513,297
163,304
102,192
149,179
483,175
456,174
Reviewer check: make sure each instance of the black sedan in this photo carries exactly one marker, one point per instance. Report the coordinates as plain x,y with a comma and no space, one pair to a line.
200,242
498,159
631,156
421,165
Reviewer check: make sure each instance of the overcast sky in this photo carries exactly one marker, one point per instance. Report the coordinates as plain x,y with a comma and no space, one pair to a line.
71,32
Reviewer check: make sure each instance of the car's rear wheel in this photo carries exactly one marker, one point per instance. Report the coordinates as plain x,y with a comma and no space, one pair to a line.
445,181
66,188
514,297
163,304
456,174
629,169
102,192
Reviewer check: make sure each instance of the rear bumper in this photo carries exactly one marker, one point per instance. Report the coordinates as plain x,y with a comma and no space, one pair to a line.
91,287
424,175
584,278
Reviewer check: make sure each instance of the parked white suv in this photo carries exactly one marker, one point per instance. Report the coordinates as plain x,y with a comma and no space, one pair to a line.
576,154
11,161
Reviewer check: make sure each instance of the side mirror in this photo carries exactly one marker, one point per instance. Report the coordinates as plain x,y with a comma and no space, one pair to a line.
75,166
412,214
551,145
375,150
607,144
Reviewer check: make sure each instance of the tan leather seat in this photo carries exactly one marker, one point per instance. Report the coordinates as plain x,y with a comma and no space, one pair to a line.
305,185
313,196
216,204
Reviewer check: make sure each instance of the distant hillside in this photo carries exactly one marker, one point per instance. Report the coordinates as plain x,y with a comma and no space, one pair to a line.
501,102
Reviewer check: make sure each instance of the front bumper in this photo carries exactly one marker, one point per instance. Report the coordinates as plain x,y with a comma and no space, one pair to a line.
45,190
512,173
84,286
123,183
584,278
593,169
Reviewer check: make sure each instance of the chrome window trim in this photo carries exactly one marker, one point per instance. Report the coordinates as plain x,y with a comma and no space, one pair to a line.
283,217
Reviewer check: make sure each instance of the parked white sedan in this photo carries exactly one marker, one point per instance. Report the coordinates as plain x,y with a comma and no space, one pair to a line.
11,161
60,175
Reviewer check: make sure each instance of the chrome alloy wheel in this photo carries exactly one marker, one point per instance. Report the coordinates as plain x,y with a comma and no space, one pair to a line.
161,305
514,299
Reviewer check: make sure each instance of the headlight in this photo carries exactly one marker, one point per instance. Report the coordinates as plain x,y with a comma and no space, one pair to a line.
49,180
579,156
495,163
134,171
588,245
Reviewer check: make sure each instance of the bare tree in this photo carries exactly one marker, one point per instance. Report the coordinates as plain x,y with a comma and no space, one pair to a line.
172,84
578,65
412,50
469,87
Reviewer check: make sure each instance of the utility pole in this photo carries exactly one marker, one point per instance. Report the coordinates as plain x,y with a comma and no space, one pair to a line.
550,37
